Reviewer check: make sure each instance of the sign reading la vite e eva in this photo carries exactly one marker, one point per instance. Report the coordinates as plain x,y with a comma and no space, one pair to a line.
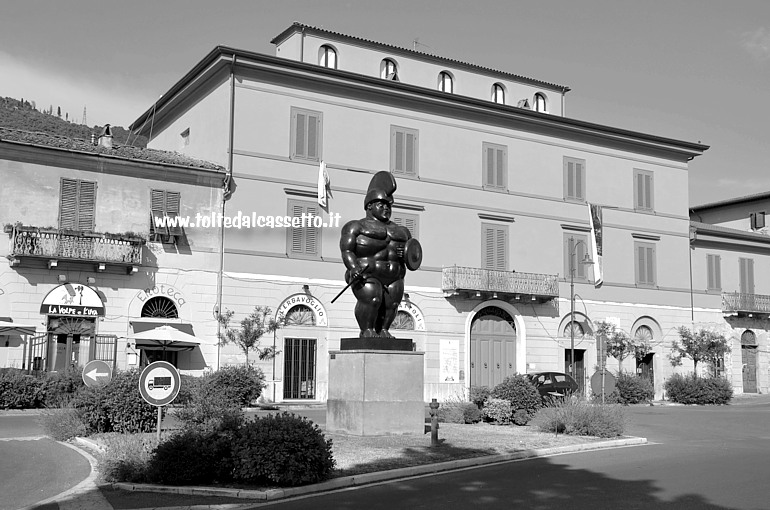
73,300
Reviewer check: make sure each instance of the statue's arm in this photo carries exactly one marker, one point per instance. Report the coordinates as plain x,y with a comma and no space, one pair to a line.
348,236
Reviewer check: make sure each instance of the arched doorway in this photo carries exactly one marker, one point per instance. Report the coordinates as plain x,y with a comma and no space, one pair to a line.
749,360
299,356
493,347
645,367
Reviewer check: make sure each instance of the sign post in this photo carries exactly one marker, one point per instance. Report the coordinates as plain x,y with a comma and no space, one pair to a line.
97,374
159,385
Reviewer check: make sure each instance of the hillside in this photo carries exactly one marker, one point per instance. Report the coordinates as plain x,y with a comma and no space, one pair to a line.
15,115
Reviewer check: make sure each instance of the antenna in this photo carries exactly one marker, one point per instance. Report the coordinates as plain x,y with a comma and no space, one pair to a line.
416,42
84,117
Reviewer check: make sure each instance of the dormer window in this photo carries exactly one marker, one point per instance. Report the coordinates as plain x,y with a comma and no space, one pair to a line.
757,220
327,57
445,82
540,103
388,70
498,93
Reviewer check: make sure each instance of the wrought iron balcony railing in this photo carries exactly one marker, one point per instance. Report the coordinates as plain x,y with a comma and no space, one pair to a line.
747,303
55,244
540,286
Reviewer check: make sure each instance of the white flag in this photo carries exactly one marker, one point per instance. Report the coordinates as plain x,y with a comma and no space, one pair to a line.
595,219
324,187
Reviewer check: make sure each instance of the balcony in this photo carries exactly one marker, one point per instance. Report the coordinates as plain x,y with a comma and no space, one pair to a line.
504,284
70,245
736,302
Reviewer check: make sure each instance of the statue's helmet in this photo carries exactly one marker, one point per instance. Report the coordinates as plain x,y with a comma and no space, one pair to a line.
381,187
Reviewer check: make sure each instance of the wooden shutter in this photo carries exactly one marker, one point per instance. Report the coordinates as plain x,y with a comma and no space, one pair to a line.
410,221
645,260
403,151
312,234
305,241
297,246
495,248
574,179
77,205
306,134
747,275
86,205
578,181
300,135
643,190
68,204
173,199
494,166
577,257
313,125
714,279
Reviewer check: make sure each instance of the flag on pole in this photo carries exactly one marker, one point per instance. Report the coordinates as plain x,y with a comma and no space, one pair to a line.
324,187
595,218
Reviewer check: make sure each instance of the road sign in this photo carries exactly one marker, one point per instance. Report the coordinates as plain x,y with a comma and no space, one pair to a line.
609,382
159,383
97,373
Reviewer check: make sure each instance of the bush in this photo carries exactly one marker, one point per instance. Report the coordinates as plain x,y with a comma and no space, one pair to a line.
521,417
59,388
237,384
127,456
19,390
479,395
520,392
692,389
193,458
282,448
631,389
580,418
62,423
498,410
459,412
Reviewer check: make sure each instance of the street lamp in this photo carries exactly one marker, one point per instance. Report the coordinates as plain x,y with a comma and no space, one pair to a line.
586,260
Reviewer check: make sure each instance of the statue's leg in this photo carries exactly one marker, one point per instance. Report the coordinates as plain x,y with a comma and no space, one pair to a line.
391,298
368,301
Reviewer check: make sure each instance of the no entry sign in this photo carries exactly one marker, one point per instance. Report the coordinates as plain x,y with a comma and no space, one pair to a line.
159,383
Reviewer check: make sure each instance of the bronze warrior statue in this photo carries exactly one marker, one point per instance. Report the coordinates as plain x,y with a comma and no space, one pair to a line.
377,253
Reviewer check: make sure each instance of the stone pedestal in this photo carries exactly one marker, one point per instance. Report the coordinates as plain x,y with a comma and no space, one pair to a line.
375,393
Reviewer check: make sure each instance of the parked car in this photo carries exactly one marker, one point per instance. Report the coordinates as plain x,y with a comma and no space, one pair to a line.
553,384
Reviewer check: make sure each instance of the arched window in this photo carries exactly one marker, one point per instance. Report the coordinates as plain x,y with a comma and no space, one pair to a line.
445,82
388,70
573,326
540,103
748,338
300,315
403,320
498,93
160,307
327,57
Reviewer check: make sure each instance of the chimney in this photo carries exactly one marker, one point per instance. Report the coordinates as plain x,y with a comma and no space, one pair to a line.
105,139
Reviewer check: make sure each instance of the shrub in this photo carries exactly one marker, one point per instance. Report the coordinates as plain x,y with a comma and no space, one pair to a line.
631,389
62,423
59,388
520,392
479,395
19,390
282,448
237,384
189,386
126,457
193,457
459,412
577,417
521,417
498,410
92,409
692,389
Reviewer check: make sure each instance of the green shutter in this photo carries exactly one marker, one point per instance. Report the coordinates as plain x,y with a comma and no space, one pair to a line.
68,204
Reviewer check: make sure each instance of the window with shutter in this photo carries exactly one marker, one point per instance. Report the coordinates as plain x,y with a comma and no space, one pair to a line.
404,151
575,251
305,241
714,267
643,190
757,220
495,166
165,205
410,221
494,246
306,134
77,205
645,264
746,275
574,179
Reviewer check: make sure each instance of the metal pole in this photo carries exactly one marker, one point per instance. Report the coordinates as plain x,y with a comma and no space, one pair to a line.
572,309
159,420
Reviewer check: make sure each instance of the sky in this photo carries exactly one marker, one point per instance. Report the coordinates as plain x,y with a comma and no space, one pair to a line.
692,70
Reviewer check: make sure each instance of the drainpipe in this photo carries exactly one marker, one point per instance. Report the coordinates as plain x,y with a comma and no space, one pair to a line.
689,249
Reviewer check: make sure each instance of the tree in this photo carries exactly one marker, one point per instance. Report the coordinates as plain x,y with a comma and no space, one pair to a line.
700,346
618,344
58,111
253,327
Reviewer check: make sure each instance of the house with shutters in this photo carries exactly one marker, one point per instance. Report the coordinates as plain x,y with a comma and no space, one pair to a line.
509,197
88,271
731,263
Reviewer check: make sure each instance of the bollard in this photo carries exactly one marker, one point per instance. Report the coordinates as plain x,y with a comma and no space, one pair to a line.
434,422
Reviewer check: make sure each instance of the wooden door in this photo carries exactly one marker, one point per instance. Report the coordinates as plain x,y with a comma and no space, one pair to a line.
749,358
493,348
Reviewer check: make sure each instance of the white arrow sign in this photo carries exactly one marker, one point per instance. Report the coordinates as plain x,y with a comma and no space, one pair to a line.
97,374
93,374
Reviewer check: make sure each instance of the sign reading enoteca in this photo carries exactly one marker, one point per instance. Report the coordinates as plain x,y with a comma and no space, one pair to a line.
73,300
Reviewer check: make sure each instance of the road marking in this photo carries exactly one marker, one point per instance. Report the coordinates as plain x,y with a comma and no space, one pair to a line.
26,438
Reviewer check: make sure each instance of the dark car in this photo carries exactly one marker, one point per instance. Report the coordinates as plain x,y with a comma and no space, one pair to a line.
553,384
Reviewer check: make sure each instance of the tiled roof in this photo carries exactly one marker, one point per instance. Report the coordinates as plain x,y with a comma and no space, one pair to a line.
127,152
297,25
732,232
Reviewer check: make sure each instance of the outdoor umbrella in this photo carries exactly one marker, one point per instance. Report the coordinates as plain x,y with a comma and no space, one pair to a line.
166,338
15,328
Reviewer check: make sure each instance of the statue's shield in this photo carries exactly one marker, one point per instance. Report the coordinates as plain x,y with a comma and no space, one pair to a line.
413,254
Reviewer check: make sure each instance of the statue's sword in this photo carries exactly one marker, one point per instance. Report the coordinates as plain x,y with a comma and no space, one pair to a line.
352,281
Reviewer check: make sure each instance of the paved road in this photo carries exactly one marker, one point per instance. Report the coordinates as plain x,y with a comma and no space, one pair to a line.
700,458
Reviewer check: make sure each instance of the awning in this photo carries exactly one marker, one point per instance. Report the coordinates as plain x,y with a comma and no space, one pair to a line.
165,338
15,328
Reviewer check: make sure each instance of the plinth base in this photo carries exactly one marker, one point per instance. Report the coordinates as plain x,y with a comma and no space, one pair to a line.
376,344
375,393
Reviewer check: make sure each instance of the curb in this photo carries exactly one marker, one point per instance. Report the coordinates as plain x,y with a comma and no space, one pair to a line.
382,476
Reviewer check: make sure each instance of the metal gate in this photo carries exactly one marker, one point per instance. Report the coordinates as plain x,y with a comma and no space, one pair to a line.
38,353
299,365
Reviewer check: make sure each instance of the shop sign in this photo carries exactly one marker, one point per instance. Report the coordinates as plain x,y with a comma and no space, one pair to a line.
162,290
303,299
73,300
419,320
